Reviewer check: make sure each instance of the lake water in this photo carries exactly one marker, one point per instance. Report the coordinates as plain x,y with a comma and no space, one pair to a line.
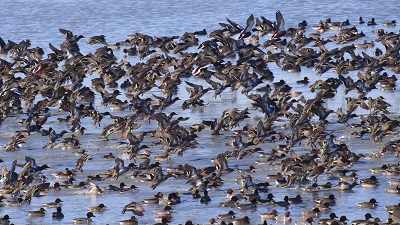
40,21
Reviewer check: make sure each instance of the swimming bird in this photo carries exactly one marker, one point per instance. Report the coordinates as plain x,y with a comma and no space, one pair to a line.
58,214
131,221
94,189
227,217
241,221
56,203
370,182
39,213
371,204
233,201
390,23
308,221
83,220
205,198
154,200
5,220
100,208
284,218
165,211
371,22
314,213
367,220
269,215
332,217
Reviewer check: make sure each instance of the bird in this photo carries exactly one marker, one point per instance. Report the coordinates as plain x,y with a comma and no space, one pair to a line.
135,207
130,221
5,220
56,203
367,220
96,40
226,217
241,221
58,214
119,168
284,218
81,161
372,204
205,198
84,220
99,208
39,213
269,215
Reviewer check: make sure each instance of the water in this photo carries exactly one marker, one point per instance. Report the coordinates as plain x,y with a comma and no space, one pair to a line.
40,20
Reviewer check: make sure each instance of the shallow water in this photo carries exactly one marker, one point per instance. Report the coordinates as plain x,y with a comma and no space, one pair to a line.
40,20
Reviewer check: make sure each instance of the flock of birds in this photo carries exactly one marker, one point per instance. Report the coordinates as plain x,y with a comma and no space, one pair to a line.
230,59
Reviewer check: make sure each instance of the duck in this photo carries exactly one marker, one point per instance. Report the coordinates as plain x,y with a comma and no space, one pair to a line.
365,221
308,221
93,189
84,220
332,217
269,201
154,200
227,217
304,81
135,207
130,221
370,182
392,207
109,156
371,22
360,20
269,215
247,206
284,203
196,194
211,221
163,221
241,221
5,220
229,194
379,170
251,169
296,200
390,23
394,190
205,198
66,174
161,212
254,195
314,213
394,172
284,218
122,188
14,202
349,178
100,208
371,204
231,203
342,221
330,199
365,44
98,39
39,213
58,213
345,186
